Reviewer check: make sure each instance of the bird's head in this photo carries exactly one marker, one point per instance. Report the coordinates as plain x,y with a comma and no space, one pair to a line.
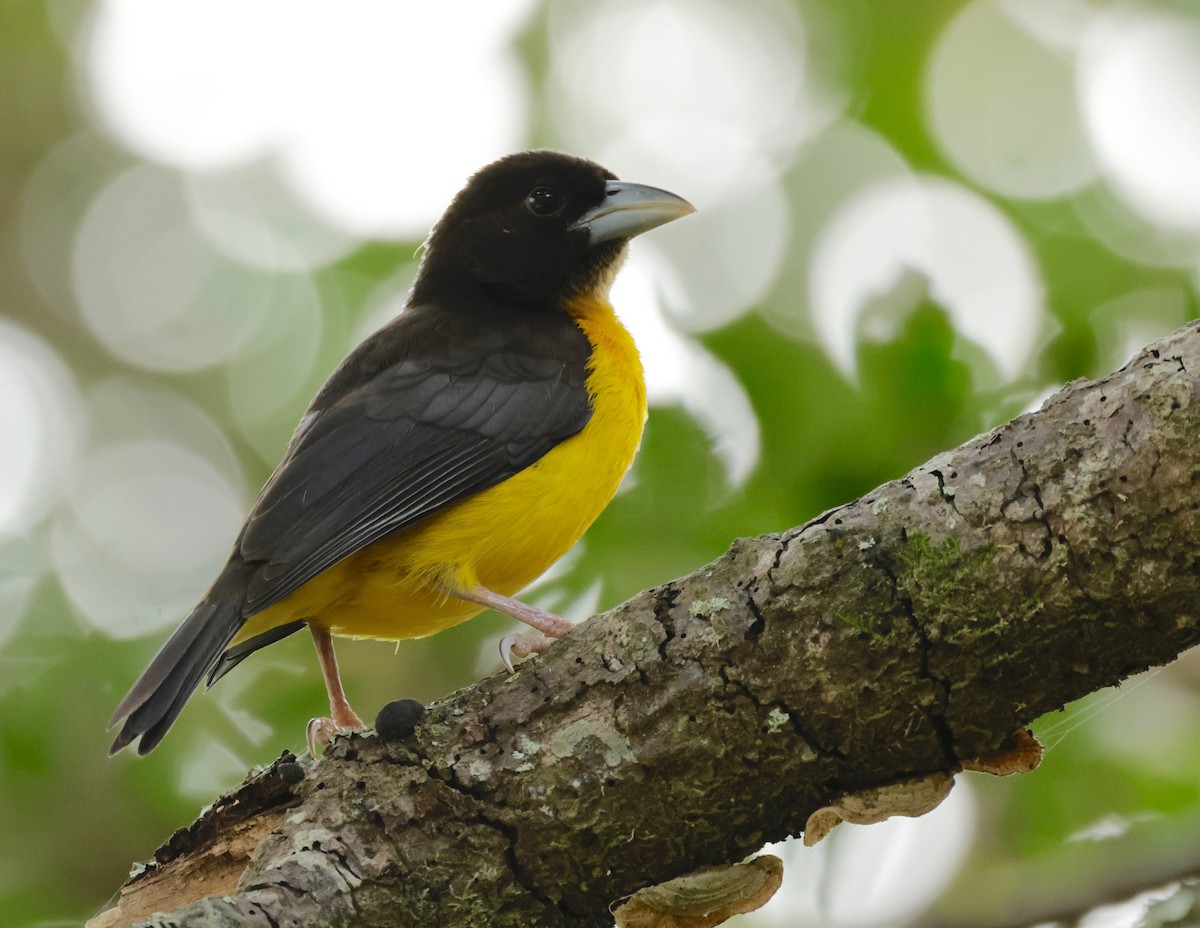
540,227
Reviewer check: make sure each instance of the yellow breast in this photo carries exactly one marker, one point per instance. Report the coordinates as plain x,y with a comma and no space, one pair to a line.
502,538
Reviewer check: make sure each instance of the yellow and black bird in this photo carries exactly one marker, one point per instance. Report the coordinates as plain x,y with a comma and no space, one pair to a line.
454,455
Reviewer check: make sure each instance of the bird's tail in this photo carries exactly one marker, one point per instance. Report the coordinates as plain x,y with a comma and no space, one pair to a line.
156,699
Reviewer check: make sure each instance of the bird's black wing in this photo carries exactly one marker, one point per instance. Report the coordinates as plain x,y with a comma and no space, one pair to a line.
438,405
407,439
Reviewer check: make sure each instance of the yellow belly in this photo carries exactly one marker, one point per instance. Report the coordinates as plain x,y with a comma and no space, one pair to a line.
502,538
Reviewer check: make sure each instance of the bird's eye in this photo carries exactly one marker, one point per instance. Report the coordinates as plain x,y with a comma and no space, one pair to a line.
544,201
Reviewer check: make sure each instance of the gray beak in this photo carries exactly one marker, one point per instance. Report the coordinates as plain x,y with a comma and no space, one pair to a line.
629,210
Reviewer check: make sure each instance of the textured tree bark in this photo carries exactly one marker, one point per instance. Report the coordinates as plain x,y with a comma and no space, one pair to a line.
894,637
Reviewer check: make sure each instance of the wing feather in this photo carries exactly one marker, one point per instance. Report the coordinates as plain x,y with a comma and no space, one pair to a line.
405,442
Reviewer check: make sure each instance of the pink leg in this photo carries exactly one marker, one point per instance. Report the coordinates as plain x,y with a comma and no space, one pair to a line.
342,716
522,645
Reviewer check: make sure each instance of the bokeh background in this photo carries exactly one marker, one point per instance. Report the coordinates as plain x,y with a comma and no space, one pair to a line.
916,219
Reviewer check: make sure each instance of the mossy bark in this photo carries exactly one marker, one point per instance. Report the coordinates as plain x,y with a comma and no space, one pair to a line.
900,635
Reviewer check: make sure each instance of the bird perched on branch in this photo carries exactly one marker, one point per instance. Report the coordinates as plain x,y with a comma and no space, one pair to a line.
453,456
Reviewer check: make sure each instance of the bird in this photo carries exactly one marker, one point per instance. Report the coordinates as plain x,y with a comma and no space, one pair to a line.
453,456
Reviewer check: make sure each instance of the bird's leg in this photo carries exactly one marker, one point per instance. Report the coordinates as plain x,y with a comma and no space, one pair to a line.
547,623
522,644
341,716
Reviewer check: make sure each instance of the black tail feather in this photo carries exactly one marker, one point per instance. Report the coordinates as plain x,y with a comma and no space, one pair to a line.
239,652
156,724
159,695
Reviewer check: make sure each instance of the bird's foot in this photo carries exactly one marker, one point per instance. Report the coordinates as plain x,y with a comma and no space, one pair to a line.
323,730
522,644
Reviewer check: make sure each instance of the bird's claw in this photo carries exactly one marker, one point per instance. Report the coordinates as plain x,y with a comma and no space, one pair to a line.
522,644
320,731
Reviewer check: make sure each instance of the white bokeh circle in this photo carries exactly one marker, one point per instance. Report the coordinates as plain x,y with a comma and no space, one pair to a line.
1139,68
149,525
42,420
846,157
1060,24
725,258
1002,105
277,371
714,98
252,218
976,264
151,510
340,98
149,286
1131,235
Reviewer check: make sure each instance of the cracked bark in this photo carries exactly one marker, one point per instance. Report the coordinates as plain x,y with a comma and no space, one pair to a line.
893,637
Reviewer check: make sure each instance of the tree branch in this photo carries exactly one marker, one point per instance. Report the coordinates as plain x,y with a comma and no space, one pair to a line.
891,638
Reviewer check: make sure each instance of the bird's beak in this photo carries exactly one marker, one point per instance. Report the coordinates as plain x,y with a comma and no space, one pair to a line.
629,210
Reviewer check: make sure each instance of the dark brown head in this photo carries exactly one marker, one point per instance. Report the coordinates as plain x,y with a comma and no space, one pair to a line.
539,227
